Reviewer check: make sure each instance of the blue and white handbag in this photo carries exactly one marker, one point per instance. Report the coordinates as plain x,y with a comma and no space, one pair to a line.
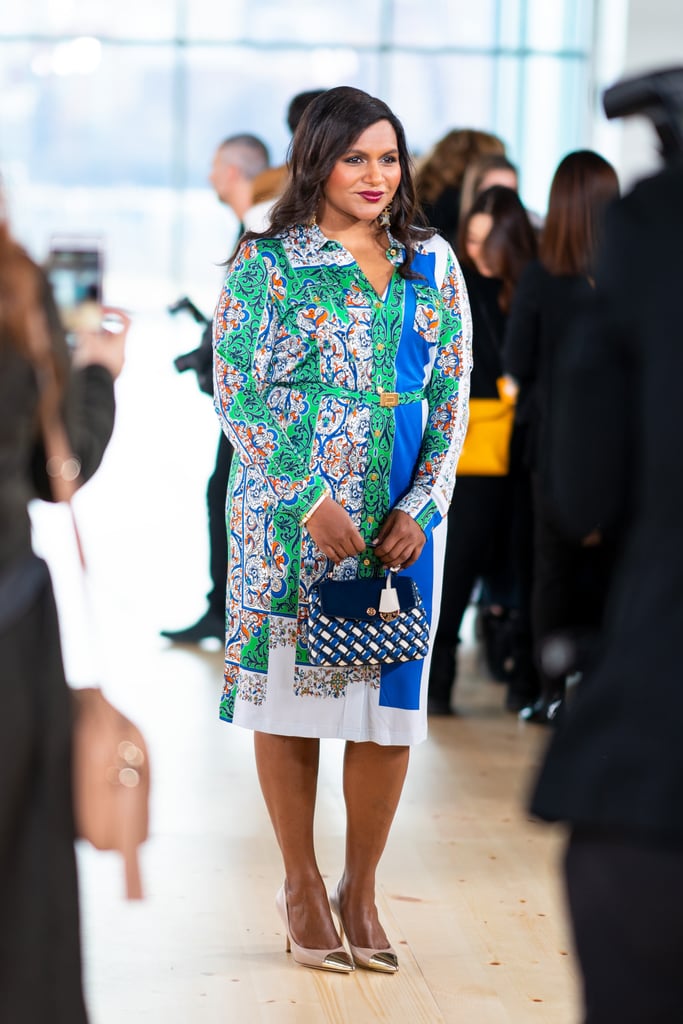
366,622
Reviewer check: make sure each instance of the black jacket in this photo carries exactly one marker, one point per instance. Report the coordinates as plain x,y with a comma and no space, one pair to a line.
89,416
543,311
617,433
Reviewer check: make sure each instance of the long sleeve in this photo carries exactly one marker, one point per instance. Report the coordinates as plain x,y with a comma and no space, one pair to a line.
88,412
88,407
245,327
447,395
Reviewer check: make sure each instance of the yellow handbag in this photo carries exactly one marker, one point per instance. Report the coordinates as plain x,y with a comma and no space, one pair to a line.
486,451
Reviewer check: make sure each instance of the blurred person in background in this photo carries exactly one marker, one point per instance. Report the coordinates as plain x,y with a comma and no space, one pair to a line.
237,162
614,770
482,173
496,243
270,184
438,180
342,367
569,577
40,959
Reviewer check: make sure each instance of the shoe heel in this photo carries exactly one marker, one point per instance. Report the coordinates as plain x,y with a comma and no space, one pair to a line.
334,906
337,959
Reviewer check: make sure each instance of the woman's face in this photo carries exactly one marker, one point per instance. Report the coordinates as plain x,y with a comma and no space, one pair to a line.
478,230
364,180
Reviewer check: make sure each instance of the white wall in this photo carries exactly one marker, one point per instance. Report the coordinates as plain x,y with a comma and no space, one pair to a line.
632,36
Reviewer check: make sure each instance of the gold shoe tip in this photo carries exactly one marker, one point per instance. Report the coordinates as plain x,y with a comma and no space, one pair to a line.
339,962
383,961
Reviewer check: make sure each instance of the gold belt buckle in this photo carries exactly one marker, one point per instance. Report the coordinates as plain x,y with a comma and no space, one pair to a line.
388,399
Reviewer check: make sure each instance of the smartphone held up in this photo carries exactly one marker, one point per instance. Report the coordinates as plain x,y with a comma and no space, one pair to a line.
96,333
75,270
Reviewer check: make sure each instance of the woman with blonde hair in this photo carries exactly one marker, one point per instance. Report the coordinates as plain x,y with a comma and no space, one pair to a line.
439,179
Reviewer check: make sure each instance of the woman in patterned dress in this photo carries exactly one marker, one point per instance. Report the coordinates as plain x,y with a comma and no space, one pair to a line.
342,359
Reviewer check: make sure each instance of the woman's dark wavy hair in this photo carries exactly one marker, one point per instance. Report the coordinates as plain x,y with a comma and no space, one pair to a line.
511,242
329,127
21,298
583,186
18,287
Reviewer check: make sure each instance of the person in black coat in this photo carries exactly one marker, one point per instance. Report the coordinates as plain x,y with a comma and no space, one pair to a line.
569,577
40,963
614,770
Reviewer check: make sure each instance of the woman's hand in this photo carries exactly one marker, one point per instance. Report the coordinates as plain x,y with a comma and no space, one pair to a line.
334,532
104,343
509,388
400,540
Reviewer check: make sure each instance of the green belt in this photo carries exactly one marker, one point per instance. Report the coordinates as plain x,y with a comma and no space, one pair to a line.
385,399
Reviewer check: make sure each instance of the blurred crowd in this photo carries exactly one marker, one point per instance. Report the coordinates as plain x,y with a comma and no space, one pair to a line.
539,595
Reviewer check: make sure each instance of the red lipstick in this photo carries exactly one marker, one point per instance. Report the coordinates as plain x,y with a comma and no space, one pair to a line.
372,197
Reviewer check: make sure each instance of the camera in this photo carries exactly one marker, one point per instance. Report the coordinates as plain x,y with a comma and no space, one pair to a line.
199,359
658,96
186,305
189,361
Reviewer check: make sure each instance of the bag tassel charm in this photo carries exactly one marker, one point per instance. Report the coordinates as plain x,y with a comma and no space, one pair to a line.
389,606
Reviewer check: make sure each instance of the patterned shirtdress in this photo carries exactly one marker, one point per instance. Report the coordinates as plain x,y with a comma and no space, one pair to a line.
304,350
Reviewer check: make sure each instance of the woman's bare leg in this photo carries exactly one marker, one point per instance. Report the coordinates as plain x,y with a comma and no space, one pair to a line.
373,781
288,773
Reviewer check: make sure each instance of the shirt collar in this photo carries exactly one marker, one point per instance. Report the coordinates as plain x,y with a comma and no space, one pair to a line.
317,240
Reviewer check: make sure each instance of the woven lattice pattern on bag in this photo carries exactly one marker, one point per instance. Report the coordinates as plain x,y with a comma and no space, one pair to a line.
366,641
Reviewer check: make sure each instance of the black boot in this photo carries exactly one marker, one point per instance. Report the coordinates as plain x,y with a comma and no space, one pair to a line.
497,630
547,710
524,689
211,626
441,678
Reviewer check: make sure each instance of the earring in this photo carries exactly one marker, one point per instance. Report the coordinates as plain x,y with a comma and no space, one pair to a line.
313,221
384,219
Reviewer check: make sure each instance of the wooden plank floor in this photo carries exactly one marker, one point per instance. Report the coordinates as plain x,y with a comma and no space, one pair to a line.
469,888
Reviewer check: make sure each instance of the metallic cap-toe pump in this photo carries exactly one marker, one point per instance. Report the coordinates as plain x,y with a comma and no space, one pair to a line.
384,960
336,959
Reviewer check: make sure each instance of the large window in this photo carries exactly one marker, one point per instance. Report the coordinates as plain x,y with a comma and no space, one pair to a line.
109,113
